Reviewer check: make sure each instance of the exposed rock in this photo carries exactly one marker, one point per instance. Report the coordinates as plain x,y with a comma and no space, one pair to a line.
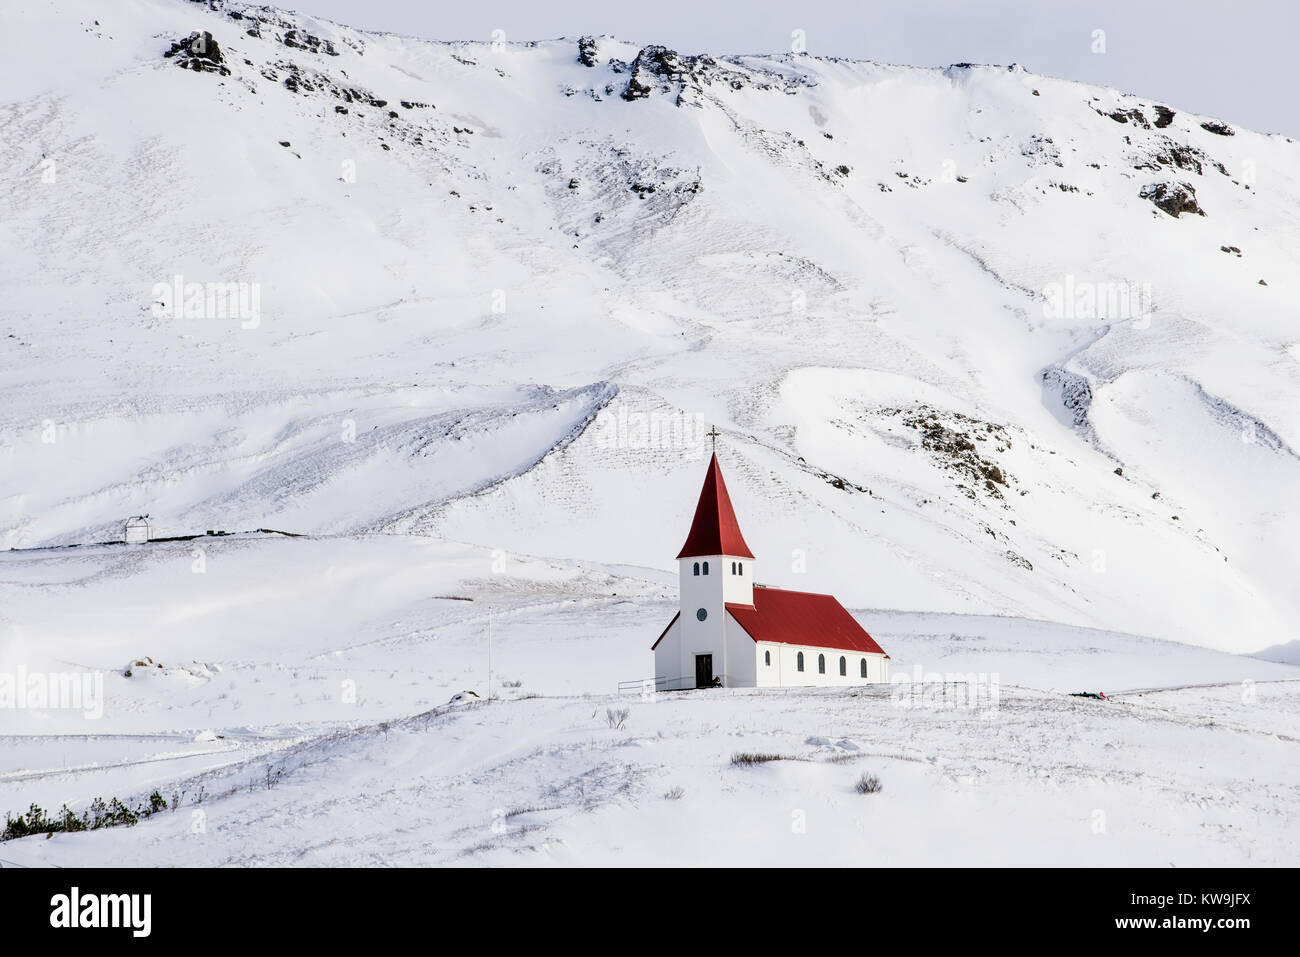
652,63
301,40
199,52
1123,116
587,51
1040,150
959,445
1173,198
1220,129
1169,152
1231,249
1019,560
1164,116
1074,392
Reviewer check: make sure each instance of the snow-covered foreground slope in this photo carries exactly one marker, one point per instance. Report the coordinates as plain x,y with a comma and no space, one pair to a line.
960,361
322,667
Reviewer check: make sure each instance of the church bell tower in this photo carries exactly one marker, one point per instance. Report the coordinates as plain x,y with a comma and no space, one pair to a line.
715,568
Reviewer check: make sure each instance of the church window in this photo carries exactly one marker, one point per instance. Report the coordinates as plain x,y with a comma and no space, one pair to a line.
844,667
767,658
800,661
701,614
821,664
706,568
864,667
697,568
741,566
733,568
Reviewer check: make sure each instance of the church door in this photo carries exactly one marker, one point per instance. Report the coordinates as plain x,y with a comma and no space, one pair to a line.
703,671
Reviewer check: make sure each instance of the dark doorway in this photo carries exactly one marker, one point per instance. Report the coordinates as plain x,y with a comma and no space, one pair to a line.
703,671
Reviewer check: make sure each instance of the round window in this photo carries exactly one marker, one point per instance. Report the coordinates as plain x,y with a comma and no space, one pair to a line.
701,614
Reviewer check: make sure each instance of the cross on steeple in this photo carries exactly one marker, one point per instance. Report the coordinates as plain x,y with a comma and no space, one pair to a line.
713,436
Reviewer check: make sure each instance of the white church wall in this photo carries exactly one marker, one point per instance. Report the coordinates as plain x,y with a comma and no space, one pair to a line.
668,661
742,669
784,670
720,584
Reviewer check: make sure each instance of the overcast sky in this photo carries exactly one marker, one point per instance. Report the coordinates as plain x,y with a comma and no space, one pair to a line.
1234,59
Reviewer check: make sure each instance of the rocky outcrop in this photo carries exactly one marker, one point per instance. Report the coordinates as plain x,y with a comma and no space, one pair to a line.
654,65
1173,198
199,52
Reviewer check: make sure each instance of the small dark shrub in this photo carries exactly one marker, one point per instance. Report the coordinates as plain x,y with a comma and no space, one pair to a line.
746,759
868,784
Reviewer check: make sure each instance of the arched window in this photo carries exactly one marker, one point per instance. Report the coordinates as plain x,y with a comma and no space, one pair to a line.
844,667
706,568
741,566
733,568
697,568
864,667
767,658
821,664
800,661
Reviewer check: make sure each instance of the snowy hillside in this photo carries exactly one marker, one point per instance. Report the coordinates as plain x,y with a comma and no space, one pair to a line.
481,272
1010,364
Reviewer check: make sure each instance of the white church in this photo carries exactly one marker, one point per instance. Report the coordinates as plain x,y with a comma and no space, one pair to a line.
730,632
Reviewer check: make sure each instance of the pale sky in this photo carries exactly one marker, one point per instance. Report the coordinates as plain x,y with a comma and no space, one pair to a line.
1234,59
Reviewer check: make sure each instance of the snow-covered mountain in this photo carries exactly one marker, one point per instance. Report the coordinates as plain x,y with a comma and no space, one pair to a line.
1008,363
976,340
965,350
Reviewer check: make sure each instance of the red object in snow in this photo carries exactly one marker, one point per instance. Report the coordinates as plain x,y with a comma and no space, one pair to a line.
715,530
802,618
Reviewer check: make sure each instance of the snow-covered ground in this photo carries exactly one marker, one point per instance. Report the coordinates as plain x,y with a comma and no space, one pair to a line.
969,376
294,710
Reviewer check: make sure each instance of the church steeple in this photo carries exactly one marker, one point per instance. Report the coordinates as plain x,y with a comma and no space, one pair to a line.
715,530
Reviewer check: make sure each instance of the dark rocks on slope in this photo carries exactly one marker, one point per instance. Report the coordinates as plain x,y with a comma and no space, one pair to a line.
199,52
587,51
1123,116
652,62
1173,198
1220,129
300,40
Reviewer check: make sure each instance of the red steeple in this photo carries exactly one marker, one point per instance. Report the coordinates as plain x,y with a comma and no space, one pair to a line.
715,530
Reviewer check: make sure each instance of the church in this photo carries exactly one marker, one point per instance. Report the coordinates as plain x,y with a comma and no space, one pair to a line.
733,633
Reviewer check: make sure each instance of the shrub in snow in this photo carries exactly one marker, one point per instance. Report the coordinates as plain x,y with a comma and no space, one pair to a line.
746,758
868,784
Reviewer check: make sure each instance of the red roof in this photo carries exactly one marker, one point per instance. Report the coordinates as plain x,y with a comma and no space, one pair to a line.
802,618
715,530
